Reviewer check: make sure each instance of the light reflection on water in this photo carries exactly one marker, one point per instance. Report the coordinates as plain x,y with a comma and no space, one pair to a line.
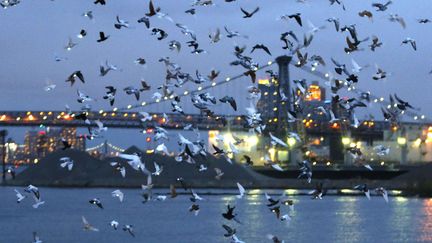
426,222
346,216
333,219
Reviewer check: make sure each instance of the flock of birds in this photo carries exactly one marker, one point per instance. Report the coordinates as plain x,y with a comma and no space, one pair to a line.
338,109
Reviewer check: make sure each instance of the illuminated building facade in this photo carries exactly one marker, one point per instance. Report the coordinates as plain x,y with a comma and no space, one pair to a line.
38,144
315,92
268,102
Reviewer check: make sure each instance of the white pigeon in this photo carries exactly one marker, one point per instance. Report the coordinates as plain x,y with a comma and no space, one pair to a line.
277,167
202,168
19,196
149,184
114,224
87,225
158,169
356,122
241,191
70,44
294,135
161,198
381,150
145,116
165,118
276,140
157,96
49,86
233,148
196,197
119,194
66,162
291,118
283,96
235,239
183,140
285,217
162,148
332,117
38,202
188,127
36,238
135,162
383,192
322,110
313,29
83,97
356,67
101,126
120,168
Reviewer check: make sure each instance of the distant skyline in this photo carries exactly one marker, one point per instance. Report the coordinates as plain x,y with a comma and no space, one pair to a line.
34,32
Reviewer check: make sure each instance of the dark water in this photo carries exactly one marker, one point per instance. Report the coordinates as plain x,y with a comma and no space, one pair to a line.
333,219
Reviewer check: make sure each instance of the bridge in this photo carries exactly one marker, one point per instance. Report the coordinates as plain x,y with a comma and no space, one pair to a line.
132,120
125,117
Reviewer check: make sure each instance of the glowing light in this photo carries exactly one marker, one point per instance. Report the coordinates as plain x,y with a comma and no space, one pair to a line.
291,141
264,82
291,192
401,140
115,109
346,140
129,106
272,152
101,111
252,140
227,79
314,92
213,84
348,191
326,75
335,125
417,142
157,100
199,88
186,92
143,104
328,163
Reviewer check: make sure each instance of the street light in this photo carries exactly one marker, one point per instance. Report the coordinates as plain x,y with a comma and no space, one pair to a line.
292,141
346,140
401,140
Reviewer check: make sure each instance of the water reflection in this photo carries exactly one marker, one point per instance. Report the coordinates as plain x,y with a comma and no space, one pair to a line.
401,214
346,217
426,223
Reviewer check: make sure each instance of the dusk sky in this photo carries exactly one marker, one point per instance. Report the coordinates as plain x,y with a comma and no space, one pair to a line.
33,32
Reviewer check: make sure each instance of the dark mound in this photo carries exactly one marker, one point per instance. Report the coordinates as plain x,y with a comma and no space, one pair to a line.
172,170
49,173
89,171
